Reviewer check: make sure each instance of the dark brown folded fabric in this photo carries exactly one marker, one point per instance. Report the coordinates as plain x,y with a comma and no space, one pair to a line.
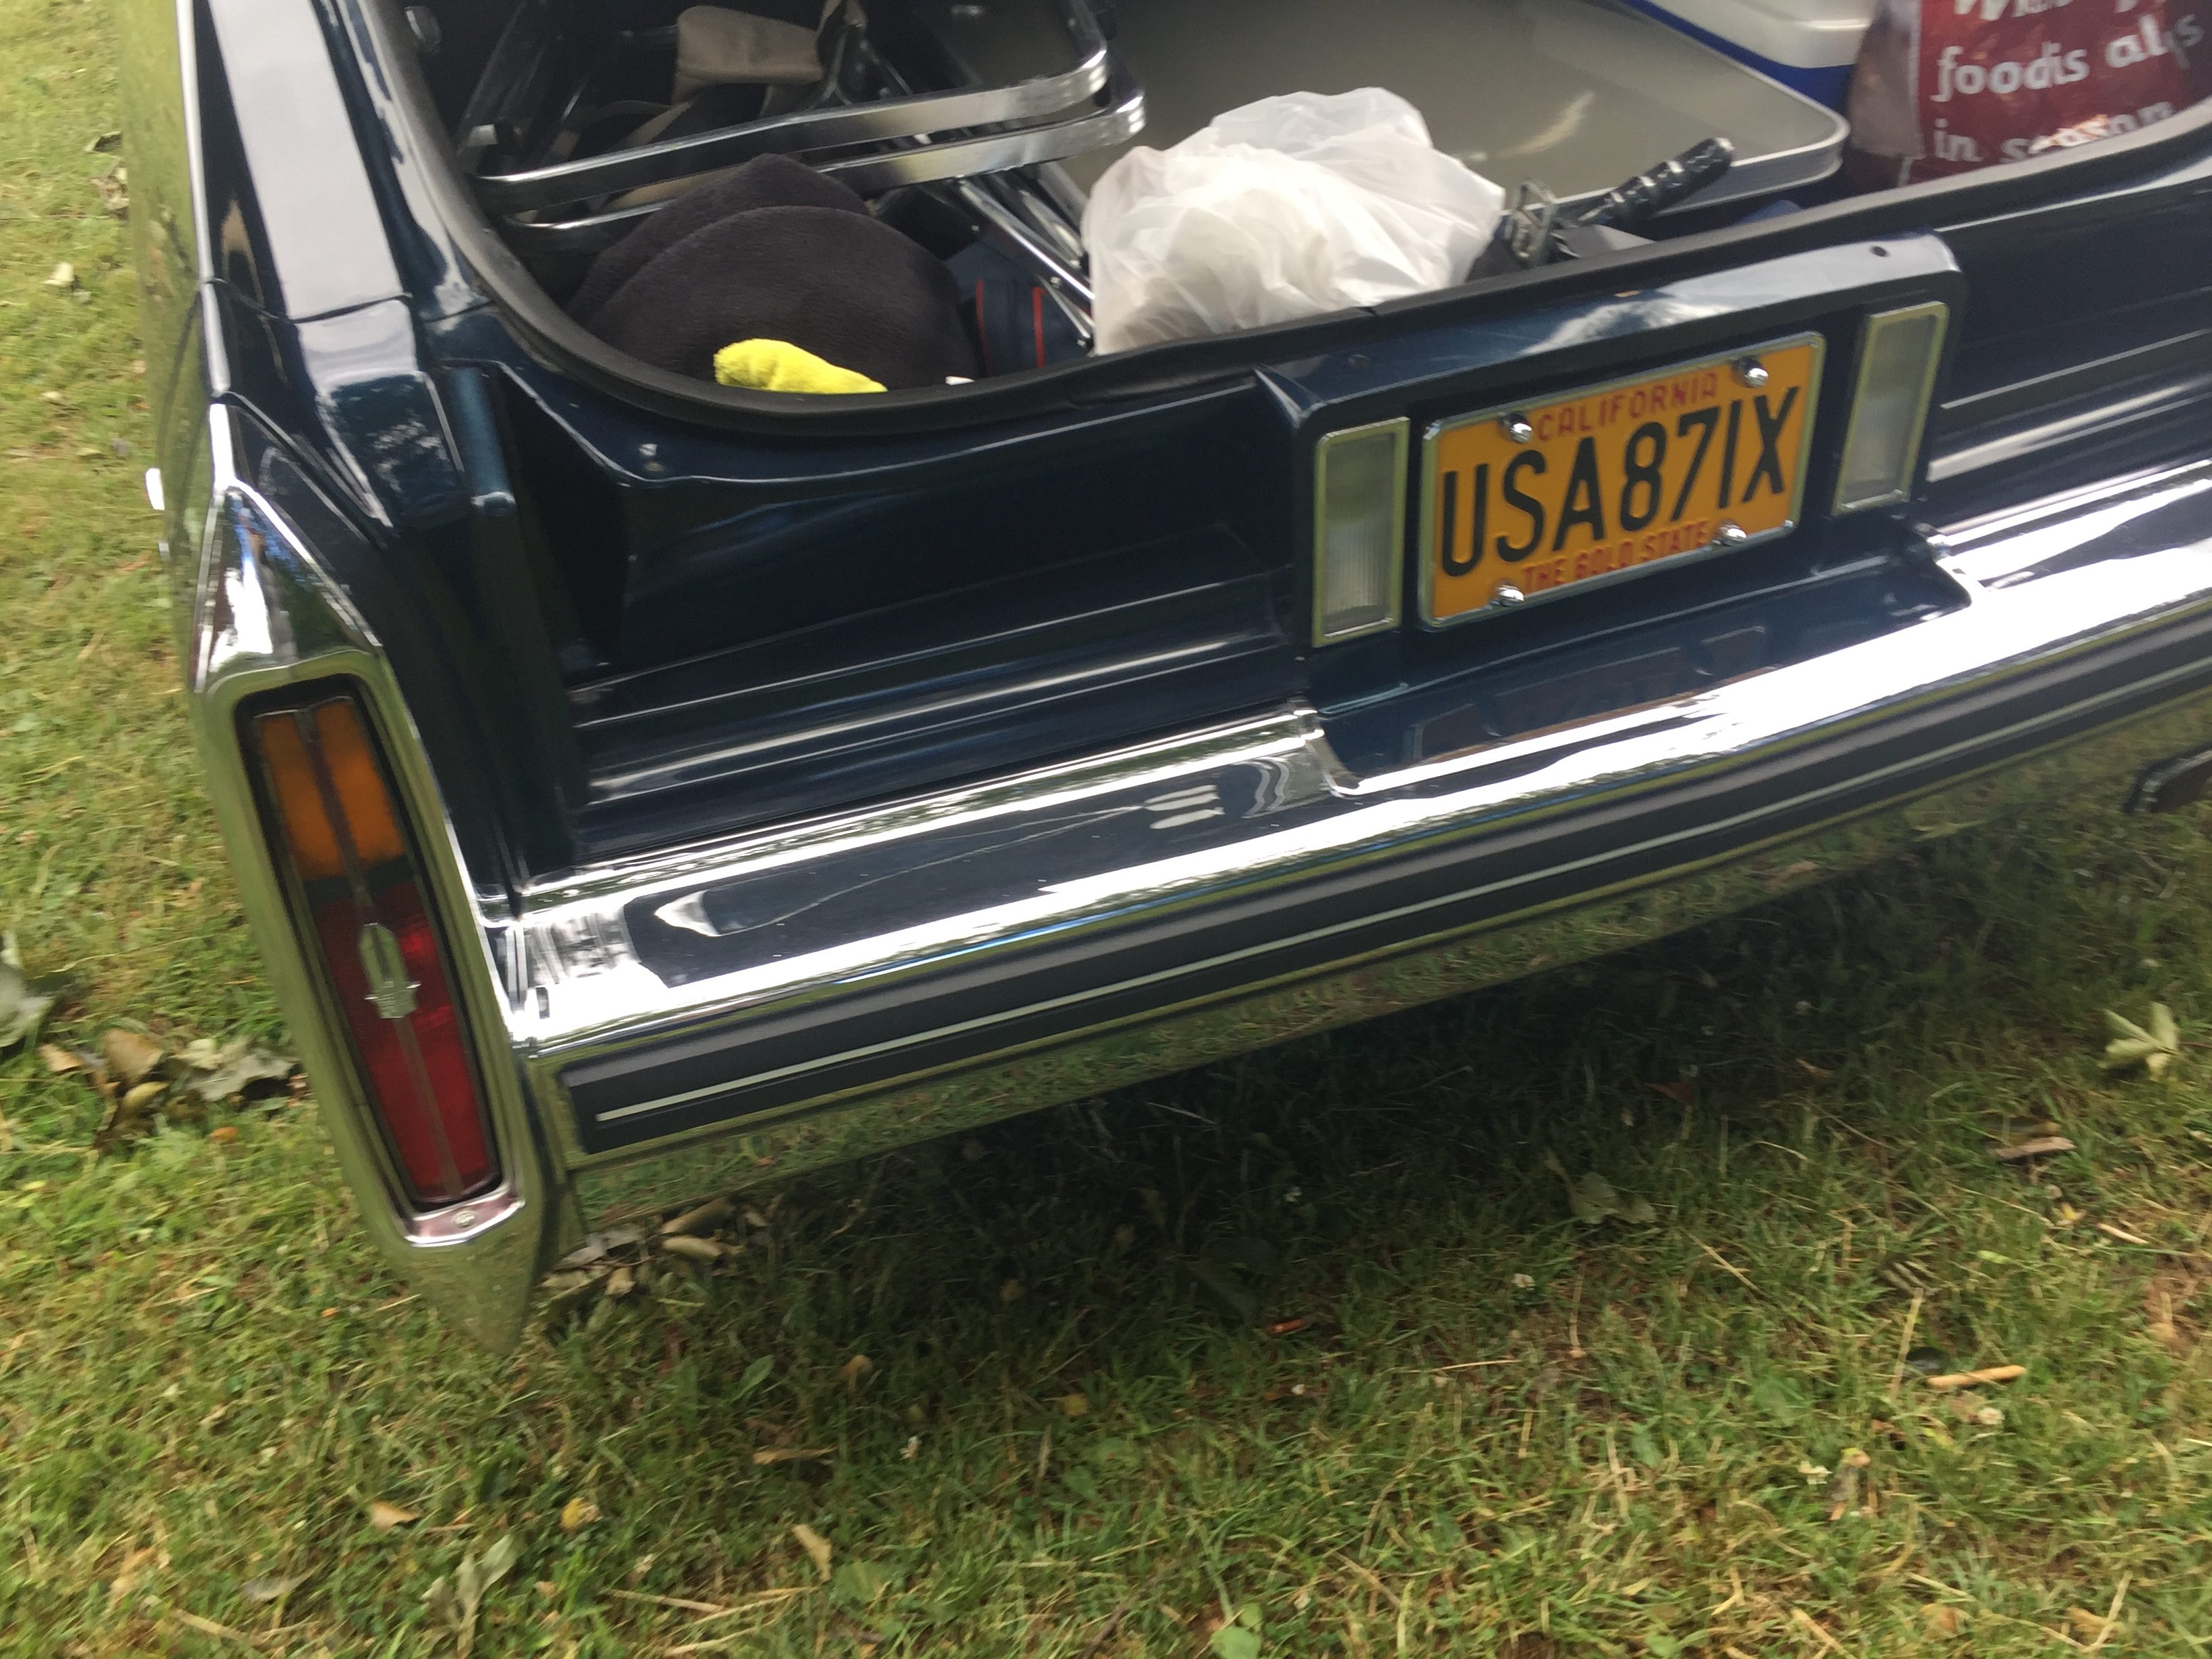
840,285
765,181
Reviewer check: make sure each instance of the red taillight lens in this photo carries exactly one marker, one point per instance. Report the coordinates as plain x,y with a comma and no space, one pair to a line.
339,827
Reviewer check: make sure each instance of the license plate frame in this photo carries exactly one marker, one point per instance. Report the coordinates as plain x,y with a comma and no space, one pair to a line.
1435,615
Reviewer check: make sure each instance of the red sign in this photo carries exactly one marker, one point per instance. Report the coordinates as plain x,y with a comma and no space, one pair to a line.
1946,86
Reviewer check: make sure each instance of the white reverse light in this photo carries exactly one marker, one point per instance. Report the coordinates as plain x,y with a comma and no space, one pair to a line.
1889,409
1360,530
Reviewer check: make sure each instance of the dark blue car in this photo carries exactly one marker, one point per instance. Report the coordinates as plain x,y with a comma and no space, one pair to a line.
644,787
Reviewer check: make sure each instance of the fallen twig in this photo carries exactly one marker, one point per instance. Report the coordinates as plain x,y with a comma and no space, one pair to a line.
1726,1263
209,1627
712,1609
1905,1342
1951,1380
2042,1146
1106,1631
2113,1613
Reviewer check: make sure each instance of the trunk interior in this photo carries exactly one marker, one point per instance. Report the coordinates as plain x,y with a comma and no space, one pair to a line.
980,129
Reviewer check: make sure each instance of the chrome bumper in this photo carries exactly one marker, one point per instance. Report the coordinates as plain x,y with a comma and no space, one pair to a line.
807,994
721,1015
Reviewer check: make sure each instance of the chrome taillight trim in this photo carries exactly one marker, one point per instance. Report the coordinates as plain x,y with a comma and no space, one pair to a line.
267,618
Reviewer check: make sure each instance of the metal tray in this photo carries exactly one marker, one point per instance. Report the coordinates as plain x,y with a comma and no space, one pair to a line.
1058,102
1576,94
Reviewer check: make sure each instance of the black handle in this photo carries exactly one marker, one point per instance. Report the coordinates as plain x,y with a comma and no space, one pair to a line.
1650,194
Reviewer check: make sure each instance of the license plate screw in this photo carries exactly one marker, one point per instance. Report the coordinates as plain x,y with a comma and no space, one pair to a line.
1730,534
1750,372
1516,427
1507,596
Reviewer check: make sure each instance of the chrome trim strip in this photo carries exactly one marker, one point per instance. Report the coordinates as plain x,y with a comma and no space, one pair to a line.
2087,777
918,117
593,993
1425,553
1121,117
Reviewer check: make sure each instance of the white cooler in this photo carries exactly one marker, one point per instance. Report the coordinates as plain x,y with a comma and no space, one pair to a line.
1809,45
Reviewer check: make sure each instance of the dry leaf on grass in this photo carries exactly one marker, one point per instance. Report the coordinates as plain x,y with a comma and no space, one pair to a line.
63,276
2042,1146
22,1003
1595,1200
768,1455
454,1602
1074,1404
702,1219
1843,1489
854,1369
130,1057
599,1246
241,1068
694,1249
578,1513
384,1516
815,1546
270,1589
113,187
2153,1048
133,1072
137,1567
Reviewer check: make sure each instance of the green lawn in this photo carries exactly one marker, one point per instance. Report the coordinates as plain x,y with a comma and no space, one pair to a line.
1499,1431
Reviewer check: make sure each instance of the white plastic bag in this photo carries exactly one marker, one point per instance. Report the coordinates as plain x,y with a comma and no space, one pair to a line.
1288,207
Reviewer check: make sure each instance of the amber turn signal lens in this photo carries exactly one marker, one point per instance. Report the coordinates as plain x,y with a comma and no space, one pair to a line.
371,933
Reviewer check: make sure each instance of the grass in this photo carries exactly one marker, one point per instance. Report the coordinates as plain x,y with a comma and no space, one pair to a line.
1499,1430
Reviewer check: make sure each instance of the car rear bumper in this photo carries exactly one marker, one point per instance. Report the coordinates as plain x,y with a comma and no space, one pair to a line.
806,994
720,1014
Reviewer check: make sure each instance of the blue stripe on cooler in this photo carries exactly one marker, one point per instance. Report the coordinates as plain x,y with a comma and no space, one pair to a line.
1819,59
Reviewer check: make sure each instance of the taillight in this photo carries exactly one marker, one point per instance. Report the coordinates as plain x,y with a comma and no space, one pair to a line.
339,828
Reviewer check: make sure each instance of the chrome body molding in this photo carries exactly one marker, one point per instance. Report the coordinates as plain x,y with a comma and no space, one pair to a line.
2094,774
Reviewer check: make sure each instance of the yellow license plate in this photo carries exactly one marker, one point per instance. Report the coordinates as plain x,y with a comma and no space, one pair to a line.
1525,502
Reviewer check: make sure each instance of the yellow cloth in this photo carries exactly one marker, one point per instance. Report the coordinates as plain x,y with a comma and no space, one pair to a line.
779,366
